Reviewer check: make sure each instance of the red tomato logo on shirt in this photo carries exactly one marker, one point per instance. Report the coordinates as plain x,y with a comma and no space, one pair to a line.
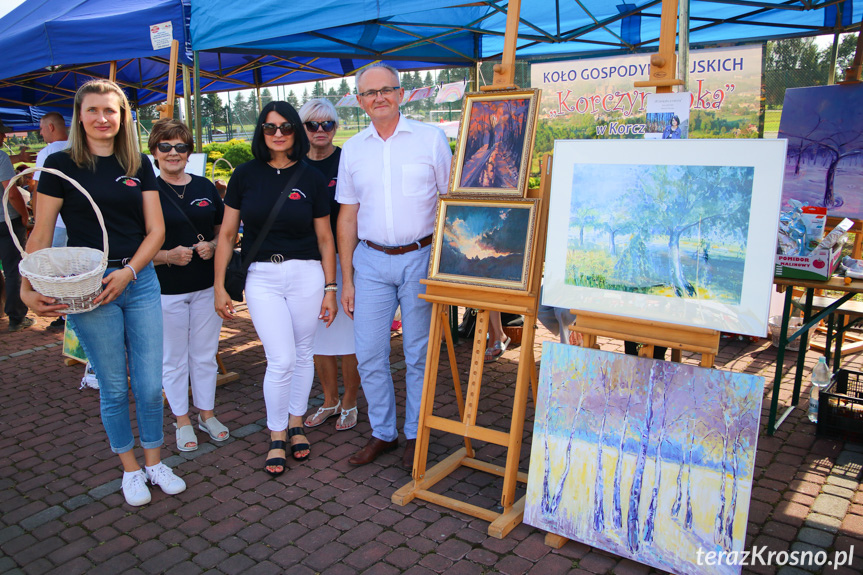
294,196
127,181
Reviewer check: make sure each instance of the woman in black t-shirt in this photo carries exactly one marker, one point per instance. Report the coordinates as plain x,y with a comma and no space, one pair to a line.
291,284
193,214
103,157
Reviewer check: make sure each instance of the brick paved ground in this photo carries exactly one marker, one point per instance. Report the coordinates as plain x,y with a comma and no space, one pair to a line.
61,510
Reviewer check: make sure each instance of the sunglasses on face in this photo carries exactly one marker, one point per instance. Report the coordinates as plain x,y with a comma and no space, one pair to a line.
327,126
385,91
165,147
270,129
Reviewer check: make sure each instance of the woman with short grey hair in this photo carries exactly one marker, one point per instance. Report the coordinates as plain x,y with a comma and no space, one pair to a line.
321,121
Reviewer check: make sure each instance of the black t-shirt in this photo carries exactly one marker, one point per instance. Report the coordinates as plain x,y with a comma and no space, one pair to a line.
202,204
254,189
329,167
118,196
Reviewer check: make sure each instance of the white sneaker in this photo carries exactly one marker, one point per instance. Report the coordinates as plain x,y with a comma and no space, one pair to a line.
161,475
135,488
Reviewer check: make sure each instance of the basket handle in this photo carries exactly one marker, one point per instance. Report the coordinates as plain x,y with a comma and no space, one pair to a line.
80,188
213,173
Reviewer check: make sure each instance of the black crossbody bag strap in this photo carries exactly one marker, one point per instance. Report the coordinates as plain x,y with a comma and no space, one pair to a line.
198,234
247,261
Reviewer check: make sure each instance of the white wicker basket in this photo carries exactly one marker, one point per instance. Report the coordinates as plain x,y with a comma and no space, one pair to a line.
73,276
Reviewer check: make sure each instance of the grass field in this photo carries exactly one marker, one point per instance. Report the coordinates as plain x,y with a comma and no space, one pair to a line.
771,123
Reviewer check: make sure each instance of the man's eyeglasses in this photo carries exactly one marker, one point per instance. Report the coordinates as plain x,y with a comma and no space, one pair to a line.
327,126
165,147
270,129
385,91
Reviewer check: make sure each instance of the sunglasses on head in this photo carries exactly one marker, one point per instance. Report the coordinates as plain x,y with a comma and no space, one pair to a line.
270,129
165,147
327,126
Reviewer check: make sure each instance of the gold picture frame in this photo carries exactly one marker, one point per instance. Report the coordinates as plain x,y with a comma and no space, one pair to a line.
485,242
494,143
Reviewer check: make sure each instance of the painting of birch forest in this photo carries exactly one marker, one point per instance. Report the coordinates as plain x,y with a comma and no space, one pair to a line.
646,459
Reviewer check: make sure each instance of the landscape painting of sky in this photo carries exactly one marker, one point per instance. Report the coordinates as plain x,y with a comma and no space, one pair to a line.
482,241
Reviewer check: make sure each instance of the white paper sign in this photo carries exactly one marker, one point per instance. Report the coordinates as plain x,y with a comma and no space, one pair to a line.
668,116
161,35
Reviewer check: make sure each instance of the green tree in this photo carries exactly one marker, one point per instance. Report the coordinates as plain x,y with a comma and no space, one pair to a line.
318,90
305,96
847,48
792,63
240,110
292,99
211,107
344,89
266,97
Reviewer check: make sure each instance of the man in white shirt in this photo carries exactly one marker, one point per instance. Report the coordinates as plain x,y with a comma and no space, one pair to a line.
390,175
52,127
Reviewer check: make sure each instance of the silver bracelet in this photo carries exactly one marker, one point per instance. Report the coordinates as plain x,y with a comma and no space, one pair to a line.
331,288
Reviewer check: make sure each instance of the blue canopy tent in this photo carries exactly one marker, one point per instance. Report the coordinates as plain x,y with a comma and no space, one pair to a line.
50,47
395,30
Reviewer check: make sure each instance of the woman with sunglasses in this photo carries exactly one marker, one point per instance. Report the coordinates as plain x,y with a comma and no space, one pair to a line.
193,214
321,123
124,334
291,286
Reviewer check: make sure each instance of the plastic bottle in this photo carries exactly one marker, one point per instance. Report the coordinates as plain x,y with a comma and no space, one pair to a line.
820,381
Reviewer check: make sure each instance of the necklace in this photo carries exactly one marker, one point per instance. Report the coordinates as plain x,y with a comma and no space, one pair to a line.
179,195
279,170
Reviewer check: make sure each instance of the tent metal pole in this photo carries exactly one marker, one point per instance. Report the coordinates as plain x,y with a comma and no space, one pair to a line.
683,44
187,94
198,136
852,74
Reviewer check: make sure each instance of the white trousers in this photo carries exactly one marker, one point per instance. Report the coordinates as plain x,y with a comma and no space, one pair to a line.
284,302
190,344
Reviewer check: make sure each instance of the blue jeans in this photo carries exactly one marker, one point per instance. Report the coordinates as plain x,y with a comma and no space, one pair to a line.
382,283
137,315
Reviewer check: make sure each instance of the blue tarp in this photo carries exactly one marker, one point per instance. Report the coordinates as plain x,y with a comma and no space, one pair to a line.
272,42
41,33
394,30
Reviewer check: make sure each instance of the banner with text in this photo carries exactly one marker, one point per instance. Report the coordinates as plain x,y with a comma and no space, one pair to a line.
585,99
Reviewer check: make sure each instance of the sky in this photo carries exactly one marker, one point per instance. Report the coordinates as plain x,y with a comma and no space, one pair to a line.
7,6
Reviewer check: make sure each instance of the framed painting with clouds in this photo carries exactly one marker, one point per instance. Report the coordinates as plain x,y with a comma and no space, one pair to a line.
483,242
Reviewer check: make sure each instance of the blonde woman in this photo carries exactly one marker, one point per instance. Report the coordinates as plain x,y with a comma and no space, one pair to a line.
123,334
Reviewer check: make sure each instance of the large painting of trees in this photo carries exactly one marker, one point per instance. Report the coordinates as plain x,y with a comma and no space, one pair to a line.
667,230
646,459
824,129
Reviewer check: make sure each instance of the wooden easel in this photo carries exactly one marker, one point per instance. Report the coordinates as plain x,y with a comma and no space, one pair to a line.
442,295
651,333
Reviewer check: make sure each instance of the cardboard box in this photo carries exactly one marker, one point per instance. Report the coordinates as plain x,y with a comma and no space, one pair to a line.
818,265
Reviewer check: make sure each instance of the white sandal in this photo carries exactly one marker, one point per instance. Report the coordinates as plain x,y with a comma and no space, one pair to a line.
346,413
214,427
185,435
313,421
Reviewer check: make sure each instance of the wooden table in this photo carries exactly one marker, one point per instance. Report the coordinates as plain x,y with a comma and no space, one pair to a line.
834,284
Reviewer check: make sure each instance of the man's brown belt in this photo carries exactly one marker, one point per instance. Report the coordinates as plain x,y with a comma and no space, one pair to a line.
397,251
